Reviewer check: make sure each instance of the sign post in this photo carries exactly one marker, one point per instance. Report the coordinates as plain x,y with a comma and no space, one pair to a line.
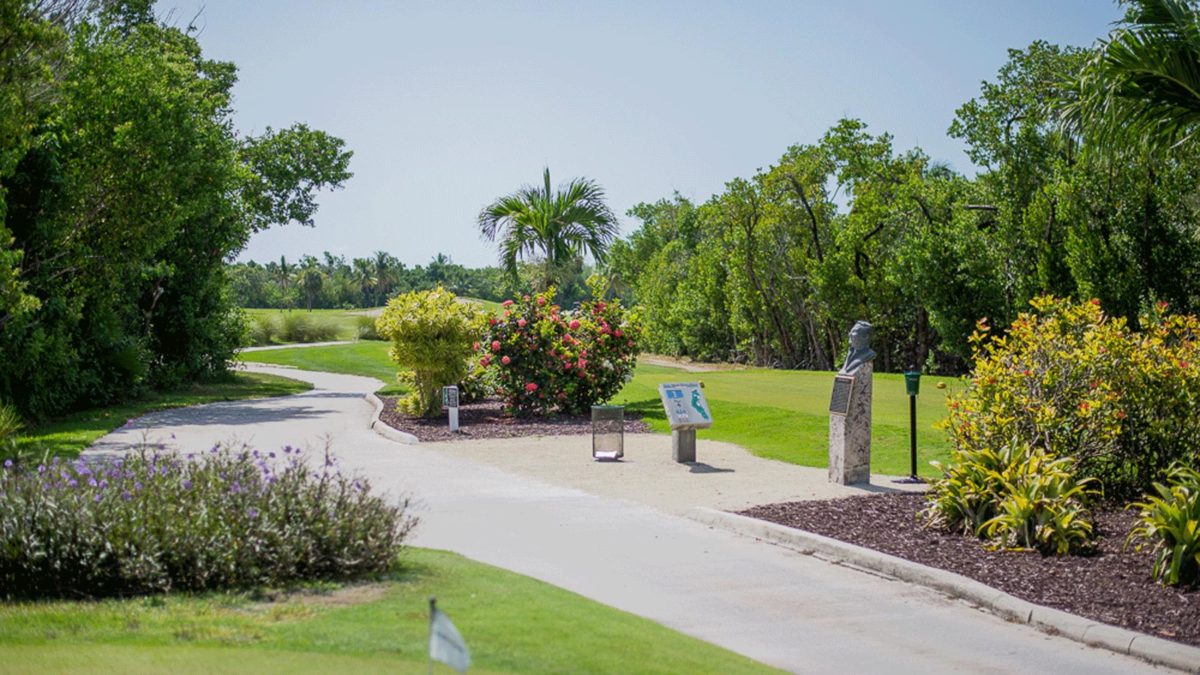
687,410
450,400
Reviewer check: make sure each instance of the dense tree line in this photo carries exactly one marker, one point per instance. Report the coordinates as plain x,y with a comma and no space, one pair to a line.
775,269
124,188
335,282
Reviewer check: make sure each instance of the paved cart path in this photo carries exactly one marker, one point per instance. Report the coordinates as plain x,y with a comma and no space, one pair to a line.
786,609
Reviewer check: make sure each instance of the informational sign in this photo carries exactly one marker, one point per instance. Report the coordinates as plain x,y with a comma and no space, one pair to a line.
843,387
685,405
450,400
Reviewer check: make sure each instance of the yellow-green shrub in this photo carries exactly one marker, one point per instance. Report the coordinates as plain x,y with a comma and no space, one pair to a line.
432,336
1077,384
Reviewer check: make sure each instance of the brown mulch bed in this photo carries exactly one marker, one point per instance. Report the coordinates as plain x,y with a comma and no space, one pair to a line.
1112,585
487,420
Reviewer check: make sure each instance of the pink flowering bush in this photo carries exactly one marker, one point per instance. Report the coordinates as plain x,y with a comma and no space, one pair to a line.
546,358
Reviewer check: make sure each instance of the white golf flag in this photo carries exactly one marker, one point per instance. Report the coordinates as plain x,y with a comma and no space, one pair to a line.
446,644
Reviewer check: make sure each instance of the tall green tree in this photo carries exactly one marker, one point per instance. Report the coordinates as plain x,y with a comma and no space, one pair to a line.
554,226
126,199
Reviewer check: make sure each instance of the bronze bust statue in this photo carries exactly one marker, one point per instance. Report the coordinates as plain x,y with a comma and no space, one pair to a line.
860,348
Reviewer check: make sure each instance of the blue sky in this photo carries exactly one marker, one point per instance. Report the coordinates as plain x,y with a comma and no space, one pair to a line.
448,105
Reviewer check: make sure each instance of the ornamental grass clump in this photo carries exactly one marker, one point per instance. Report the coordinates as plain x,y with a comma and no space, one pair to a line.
1170,521
156,521
1016,496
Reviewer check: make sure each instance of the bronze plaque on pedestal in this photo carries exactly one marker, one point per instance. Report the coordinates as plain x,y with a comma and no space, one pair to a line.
843,387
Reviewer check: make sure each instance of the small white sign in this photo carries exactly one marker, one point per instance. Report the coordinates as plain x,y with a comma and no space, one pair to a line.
685,405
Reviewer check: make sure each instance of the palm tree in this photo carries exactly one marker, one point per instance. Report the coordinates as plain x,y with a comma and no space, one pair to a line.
364,278
311,280
383,265
558,227
1143,82
283,274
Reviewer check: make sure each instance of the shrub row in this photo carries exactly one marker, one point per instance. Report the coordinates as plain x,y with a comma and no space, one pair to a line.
152,521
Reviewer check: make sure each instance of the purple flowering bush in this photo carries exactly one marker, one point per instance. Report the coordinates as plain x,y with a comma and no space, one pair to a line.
155,521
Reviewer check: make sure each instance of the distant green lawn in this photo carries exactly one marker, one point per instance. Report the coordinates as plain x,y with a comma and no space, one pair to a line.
368,358
489,306
780,414
345,321
69,435
512,624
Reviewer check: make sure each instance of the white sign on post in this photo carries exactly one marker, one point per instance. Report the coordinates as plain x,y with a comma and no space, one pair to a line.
685,405
450,400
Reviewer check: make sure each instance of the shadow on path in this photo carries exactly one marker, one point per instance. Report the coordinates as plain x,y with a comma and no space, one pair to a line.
242,413
701,467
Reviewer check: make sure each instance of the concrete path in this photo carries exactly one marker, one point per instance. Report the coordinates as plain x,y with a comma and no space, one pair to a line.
779,607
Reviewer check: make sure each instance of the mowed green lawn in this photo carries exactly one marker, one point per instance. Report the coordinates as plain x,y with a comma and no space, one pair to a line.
512,624
780,414
368,358
783,414
345,321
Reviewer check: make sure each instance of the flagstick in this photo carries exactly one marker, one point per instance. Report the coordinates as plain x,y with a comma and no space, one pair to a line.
432,609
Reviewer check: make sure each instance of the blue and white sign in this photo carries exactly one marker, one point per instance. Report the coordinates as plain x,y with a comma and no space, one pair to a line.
685,405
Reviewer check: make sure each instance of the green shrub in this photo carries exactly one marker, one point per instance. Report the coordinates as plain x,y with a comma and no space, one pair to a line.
1078,384
261,330
432,334
364,328
301,327
151,521
1171,520
1016,497
547,358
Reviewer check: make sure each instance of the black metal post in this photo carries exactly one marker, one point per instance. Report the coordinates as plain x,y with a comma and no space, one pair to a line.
912,434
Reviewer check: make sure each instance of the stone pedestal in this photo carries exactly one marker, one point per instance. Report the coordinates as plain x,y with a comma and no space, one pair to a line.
850,434
683,445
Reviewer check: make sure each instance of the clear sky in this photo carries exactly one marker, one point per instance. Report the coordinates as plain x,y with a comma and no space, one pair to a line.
448,105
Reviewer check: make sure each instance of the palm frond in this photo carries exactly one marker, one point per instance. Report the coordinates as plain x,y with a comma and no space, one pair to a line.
1142,85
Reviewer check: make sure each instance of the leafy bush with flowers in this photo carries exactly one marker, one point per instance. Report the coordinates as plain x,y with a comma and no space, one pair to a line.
1078,384
431,334
546,358
157,521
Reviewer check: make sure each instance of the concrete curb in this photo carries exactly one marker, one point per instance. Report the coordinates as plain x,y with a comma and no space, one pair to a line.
380,427
1148,648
